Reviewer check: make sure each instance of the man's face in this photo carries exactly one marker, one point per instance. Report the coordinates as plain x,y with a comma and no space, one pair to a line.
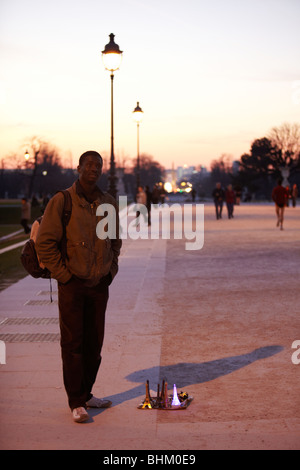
90,170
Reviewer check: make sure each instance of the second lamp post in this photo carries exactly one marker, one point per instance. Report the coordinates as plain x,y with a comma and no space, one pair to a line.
112,57
138,114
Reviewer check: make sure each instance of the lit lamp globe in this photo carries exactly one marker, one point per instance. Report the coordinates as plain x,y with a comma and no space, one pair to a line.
112,56
138,113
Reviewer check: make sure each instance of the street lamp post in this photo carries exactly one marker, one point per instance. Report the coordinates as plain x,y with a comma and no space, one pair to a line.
138,114
27,156
112,57
34,170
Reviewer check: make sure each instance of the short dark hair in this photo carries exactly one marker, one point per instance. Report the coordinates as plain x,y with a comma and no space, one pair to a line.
88,154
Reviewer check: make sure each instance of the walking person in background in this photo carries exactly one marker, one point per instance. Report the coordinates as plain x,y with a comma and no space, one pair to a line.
230,200
193,192
279,196
25,214
238,194
83,279
148,203
218,195
141,200
288,196
294,194
162,195
155,195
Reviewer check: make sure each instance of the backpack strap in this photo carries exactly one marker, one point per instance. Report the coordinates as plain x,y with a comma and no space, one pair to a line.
66,215
67,207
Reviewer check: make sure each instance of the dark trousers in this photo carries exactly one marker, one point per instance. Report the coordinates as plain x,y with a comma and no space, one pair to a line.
230,209
219,207
24,223
82,320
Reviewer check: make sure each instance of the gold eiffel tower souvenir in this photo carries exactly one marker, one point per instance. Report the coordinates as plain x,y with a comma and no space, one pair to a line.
148,402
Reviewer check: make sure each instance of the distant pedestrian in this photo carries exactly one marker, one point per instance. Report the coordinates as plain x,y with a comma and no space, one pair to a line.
230,200
238,194
148,203
294,195
193,194
155,195
218,195
162,195
141,200
279,196
288,196
140,196
25,214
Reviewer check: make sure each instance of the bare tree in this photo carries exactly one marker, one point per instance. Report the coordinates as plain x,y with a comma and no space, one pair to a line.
43,154
286,139
221,170
224,163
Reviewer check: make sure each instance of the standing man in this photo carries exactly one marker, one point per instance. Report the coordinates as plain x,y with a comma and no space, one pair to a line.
279,195
83,279
218,195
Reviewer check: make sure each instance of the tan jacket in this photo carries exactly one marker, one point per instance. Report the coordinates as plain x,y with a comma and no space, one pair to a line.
88,257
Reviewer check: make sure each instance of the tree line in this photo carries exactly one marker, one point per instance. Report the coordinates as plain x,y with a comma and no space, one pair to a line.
258,170
42,173
255,173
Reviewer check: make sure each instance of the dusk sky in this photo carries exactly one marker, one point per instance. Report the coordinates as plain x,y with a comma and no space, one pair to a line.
210,76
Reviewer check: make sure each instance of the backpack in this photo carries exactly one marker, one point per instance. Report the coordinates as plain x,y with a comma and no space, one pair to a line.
29,257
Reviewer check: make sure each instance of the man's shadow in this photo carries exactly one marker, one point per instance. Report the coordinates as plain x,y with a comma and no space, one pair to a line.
184,374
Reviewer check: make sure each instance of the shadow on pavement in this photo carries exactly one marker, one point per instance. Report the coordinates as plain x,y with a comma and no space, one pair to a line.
184,374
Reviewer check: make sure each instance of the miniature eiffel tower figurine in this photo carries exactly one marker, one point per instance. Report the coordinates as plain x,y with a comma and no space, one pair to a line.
148,401
162,392
166,398
175,401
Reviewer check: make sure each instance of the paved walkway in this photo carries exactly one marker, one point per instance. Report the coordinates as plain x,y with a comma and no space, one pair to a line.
219,322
